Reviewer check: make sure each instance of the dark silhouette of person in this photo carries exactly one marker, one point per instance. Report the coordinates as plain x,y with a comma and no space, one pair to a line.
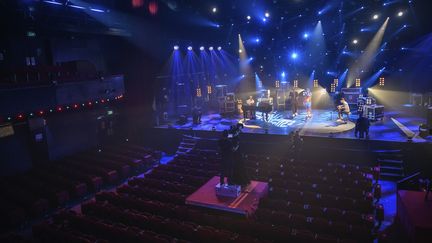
226,152
362,127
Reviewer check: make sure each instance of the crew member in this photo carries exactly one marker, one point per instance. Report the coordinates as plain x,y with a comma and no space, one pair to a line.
362,126
226,151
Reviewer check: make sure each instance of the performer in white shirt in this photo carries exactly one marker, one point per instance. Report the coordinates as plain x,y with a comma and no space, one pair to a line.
250,101
343,108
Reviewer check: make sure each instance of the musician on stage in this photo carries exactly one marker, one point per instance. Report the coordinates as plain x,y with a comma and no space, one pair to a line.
251,103
294,102
308,102
343,108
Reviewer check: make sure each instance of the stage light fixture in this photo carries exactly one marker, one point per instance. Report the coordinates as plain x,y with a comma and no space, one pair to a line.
209,89
381,82
176,48
264,20
267,14
283,74
357,82
295,83
315,83
336,82
189,48
211,48
214,9
202,48
219,48
277,84
198,92
305,35
332,88
240,51
248,17
257,40
400,14
376,16
355,41
294,55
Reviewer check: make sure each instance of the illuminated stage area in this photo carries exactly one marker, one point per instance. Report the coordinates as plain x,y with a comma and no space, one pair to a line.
322,124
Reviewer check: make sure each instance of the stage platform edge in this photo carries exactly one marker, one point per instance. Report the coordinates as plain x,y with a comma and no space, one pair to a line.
245,204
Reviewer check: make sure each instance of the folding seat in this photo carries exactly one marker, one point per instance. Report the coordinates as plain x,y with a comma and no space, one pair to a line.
353,217
310,198
327,200
361,233
298,221
333,214
320,225
292,185
276,192
326,238
340,229
313,211
345,203
302,235
295,208
294,196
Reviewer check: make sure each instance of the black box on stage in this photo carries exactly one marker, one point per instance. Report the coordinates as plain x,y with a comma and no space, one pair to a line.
373,112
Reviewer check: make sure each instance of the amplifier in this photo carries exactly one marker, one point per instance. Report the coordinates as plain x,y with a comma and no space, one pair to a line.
429,117
373,112
352,95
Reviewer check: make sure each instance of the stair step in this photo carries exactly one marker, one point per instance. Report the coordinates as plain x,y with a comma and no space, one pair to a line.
390,161
391,175
385,151
391,168
188,143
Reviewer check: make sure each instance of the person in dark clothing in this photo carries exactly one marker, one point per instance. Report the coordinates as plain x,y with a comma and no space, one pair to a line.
293,96
226,151
196,114
362,127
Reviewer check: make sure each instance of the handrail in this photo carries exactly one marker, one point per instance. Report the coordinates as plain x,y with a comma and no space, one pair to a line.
408,178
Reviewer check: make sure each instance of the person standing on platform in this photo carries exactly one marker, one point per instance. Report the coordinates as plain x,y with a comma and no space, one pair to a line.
251,103
226,152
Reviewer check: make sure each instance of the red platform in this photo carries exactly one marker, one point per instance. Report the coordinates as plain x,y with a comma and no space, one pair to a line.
415,215
244,204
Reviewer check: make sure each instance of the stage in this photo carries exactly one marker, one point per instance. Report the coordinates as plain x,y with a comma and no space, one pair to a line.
244,204
396,126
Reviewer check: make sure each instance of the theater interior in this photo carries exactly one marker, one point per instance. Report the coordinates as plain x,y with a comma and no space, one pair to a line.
121,119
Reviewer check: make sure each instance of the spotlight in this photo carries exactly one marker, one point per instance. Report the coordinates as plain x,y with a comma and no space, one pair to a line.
257,40
294,55
305,35
283,74
240,51
176,48
202,48
400,14
211,48
219,48
248,17
264,20
189,48
376,16
355,41
267,14
214,10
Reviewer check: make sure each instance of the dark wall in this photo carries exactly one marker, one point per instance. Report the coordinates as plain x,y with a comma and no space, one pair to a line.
15,151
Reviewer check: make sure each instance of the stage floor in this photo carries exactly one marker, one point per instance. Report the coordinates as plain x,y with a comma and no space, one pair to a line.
244,204
395,126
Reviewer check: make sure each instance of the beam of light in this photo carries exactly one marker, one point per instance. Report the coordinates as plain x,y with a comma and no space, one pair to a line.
342,78
246,85
176,48
324,10
321,98
388,3
311,79
397,32
354,12
366,59
258,83
389,98
374,78
97,10
75,6
53,2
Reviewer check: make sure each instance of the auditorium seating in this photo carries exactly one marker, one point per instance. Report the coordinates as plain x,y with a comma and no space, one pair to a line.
54,185
307,202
